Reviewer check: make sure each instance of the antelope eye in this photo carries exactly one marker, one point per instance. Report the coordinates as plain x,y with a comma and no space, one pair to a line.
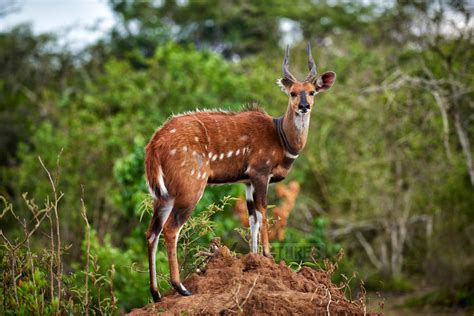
312,93
293,94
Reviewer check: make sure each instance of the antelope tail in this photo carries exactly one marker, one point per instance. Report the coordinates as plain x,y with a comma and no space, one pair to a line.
154,174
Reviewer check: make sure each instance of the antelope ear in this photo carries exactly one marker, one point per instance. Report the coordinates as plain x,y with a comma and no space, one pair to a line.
325,81
284,84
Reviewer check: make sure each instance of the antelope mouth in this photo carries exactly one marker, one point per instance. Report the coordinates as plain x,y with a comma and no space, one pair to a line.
302,112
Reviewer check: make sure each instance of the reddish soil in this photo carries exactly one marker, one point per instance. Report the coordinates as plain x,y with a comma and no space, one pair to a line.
253,284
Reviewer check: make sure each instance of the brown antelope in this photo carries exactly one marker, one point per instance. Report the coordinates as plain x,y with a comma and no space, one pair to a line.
195,149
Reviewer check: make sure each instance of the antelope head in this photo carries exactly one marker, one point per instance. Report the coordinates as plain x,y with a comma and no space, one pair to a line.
301,94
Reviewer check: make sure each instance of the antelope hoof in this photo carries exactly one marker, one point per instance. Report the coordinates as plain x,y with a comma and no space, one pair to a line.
181,289
156,296
268,254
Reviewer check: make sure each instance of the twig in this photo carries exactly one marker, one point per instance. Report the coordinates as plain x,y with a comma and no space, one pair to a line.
111,288
88,249
236,295
203,254
51,263
30,257
13,262
58,237
329,302
250,291
8,206
316,290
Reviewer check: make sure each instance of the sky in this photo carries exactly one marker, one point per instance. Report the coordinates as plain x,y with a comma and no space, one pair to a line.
72,19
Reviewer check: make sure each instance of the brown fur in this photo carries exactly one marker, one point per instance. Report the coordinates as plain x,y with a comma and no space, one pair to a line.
201,134
195,149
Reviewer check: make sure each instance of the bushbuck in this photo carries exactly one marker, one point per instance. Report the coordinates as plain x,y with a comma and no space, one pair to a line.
202,148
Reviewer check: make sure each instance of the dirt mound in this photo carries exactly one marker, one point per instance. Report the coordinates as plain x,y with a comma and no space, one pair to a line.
253,284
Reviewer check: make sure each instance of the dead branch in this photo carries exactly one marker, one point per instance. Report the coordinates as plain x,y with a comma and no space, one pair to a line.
348,227
464,140
369,250
444,115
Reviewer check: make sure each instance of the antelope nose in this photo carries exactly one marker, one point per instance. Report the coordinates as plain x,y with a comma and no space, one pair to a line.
303,107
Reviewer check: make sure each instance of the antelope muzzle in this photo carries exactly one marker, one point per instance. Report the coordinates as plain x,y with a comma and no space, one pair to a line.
303,106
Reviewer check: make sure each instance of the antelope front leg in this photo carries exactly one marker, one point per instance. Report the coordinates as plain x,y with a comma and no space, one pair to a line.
255,218
260,185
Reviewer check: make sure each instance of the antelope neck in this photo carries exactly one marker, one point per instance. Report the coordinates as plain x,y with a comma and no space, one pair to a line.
283,138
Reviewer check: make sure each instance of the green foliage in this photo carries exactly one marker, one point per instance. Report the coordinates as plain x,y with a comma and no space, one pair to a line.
114,266
397,284
197,234
105,280
33,280
31,74
386,157
128,171
100,125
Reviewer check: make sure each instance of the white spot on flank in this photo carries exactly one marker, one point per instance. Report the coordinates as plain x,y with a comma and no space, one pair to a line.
214,158
259,151
173,130
194,153
221,156
204,175
267,162
237,152
229,154
244,137
192,172
196,139
199,175
185,148
172,152
161,183
273,152
207,162
210,155
182,163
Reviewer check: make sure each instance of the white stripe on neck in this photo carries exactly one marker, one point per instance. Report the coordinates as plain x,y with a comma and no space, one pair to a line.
287,154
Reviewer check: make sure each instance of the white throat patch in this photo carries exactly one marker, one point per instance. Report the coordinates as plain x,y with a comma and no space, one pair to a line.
301,121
